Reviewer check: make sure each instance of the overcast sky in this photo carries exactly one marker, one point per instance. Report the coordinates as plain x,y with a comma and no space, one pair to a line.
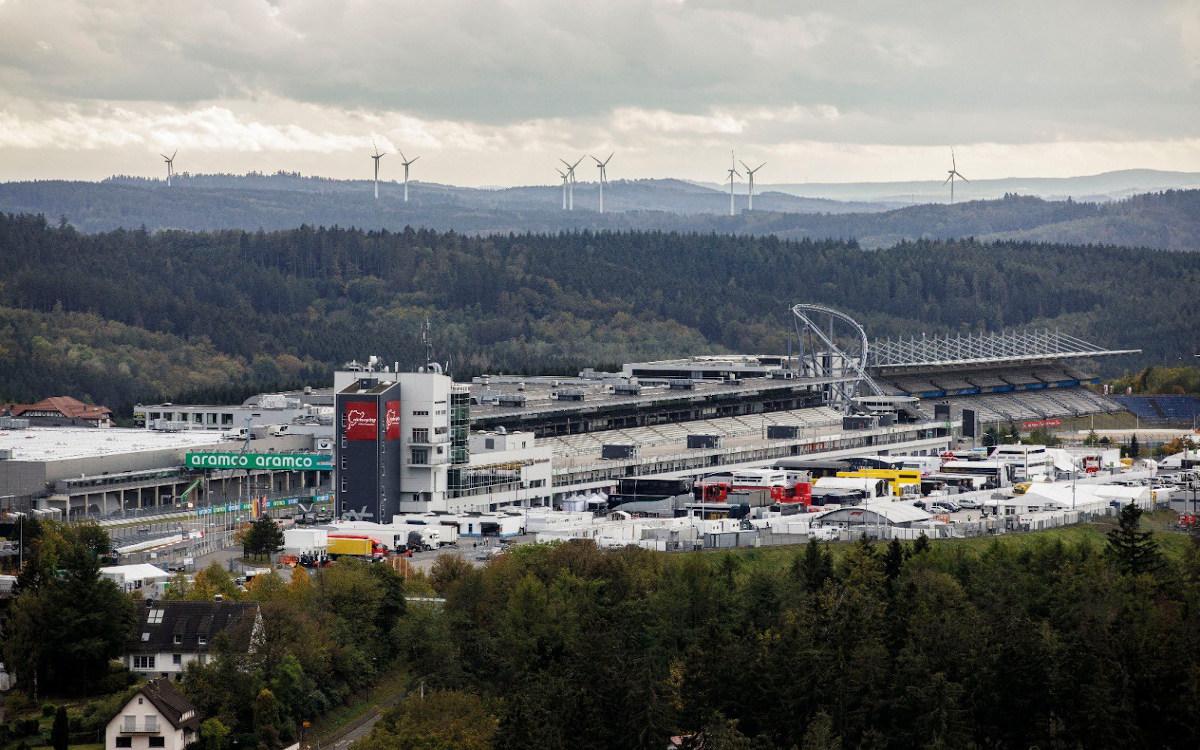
491,93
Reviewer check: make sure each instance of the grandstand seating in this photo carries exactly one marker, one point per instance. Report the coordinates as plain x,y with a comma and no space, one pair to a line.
1162,409
1004,407
985,379
1019,377
915,386
1049,375
951,383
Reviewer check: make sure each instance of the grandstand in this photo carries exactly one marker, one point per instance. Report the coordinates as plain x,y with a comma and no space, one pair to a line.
1011,376
1166,409
1015,407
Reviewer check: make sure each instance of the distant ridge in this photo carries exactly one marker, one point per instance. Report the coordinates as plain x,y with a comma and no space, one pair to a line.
1096,188
1168,220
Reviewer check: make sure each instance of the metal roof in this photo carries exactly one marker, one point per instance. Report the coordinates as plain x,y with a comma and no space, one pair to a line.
959,350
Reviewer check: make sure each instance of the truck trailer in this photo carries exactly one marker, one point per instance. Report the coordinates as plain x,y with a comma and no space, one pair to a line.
356,545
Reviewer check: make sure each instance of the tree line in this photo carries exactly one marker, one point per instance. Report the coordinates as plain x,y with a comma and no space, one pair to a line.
125,316
1051,640
1020,643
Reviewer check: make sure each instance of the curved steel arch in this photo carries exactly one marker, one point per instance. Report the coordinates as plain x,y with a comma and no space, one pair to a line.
840,364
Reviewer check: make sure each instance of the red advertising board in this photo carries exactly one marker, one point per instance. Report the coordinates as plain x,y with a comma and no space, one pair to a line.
1042,423
391,421
361,420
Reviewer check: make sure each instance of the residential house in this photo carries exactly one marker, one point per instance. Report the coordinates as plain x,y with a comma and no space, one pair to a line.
158,716
170,635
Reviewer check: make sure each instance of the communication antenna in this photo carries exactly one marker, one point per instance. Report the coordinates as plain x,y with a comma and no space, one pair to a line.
427,340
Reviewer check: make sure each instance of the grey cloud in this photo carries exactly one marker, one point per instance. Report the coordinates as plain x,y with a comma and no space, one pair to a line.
1027,71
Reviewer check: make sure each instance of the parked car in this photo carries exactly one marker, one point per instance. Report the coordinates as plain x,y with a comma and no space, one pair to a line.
969,503
944,506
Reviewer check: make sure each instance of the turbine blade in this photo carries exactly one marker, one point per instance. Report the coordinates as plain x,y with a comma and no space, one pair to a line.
165,157
964,179
598,162
173,155
403,157
951,177
760,166
610,156
745,166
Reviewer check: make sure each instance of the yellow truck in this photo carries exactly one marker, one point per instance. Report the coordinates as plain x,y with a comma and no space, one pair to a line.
355,545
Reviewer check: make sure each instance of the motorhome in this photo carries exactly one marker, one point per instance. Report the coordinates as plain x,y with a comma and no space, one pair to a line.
996,474
1029,462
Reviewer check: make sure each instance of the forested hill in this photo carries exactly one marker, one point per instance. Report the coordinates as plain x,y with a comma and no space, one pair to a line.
1168,220
131,315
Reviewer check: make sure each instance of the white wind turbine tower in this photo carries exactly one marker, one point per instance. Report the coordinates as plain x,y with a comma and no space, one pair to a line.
750,177
170,160
571,181
565,177
376,156
953,174
406,162
733,173
603,166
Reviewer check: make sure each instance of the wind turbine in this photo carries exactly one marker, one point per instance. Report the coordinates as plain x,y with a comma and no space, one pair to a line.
565,177
406,162
571,180
750,176
732,174
602,166
953,173
376,156
170,160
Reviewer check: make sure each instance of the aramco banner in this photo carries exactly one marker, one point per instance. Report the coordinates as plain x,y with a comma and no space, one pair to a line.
272,461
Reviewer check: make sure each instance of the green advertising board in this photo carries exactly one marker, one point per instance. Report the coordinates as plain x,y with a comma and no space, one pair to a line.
265,461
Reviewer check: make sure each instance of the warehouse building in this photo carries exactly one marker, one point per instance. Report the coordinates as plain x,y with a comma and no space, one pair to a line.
82,471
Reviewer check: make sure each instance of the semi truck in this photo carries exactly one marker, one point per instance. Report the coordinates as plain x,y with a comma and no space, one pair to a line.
425,538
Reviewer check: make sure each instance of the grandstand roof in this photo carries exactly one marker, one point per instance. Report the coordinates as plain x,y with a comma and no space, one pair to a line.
982,350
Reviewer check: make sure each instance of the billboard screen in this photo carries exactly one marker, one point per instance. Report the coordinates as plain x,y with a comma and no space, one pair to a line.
283,461
392,420
361,420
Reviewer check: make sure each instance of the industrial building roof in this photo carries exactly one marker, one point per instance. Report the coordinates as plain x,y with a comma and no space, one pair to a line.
138,572
544,395
61,443
892,512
